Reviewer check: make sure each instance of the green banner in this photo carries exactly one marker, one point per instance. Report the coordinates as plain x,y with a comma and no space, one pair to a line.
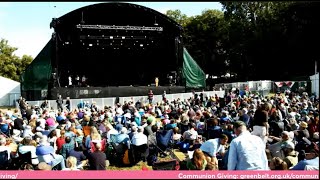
38,74
193,74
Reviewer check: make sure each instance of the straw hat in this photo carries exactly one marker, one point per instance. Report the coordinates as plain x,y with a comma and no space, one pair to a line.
303,124
86,118
44,166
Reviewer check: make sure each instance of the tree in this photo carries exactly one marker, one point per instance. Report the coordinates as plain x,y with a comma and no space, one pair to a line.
204,37
264,36
12,66
254,40
177,16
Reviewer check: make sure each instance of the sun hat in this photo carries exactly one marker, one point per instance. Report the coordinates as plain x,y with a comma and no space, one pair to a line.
44,166
303,124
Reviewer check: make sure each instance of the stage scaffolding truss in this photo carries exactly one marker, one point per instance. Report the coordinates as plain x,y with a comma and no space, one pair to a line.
125,28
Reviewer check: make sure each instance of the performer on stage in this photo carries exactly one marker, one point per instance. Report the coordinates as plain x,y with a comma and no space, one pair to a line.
156,81
70,81
77,81
83,81
170,77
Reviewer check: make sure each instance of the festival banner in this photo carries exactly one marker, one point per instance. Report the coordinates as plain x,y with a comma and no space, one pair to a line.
159,174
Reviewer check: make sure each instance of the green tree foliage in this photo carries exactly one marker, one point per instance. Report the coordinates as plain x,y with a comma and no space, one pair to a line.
177,16
276,33
12,66
254,40
204,36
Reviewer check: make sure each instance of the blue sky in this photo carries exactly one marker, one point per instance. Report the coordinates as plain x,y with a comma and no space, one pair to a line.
26,24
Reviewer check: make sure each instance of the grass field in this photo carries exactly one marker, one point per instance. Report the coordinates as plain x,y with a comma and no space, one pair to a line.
5,108
137,167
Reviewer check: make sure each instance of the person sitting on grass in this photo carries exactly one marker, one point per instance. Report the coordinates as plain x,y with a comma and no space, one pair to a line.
198,161
71,164
311,161
97,159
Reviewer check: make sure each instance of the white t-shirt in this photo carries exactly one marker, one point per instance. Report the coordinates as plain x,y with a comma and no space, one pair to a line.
139,139
190,134
32,149
6,148
42,122
70,80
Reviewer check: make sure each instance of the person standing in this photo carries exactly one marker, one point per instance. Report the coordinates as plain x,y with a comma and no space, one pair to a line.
68,103
59,103
156,81
260,122
70,81
170,79
246,152
164,98
77,79
44,105
84,81
150,96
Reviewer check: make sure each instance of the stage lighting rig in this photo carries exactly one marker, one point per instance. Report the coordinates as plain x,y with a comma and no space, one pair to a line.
127,28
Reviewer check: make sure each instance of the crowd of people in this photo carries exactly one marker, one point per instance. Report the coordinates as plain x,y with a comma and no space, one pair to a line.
245,131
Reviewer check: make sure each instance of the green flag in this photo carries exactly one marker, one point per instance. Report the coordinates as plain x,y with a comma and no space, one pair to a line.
193,74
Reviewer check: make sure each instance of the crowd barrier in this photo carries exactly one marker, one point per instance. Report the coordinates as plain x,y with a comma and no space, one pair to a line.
101,102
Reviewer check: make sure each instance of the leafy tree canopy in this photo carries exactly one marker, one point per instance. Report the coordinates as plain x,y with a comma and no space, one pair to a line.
12,66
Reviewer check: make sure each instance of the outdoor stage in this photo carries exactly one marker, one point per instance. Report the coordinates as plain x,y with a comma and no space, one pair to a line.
121,91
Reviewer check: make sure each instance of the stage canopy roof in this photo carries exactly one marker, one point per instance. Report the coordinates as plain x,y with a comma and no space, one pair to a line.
136,43
133,40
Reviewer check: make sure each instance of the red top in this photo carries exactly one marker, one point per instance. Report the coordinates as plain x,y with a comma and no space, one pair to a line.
60,142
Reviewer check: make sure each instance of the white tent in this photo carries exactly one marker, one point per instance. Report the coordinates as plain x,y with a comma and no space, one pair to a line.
315,84
9,91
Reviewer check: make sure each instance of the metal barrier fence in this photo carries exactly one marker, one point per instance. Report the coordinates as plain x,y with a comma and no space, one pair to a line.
101,102
250,85
9,99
